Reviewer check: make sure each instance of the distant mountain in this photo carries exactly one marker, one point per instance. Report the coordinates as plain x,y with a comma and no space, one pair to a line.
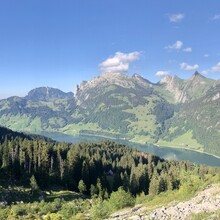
120,104
42,109
173,111
199,119
46,94
187,90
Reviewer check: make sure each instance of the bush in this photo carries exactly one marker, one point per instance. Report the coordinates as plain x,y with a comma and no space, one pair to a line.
121,199
18,210
100,210
4,212
140,198
53,216
68,210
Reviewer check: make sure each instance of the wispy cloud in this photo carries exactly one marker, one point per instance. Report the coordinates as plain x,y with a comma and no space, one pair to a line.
176,46
119,63
187,50
216,17
206,55
162,73
186,66
214,69
176,17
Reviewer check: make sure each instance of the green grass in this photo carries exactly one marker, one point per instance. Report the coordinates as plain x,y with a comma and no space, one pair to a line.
140,139
146,120
16,122
205,215
66,195
190,185
184,141
165,94
76,128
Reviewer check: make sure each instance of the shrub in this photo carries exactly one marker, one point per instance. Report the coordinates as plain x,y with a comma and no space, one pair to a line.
121,199
100,210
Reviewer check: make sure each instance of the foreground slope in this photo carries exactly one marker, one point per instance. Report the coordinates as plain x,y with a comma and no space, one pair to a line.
43,179
204,205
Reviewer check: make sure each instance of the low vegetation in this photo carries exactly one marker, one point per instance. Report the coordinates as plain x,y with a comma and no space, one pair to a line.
43,179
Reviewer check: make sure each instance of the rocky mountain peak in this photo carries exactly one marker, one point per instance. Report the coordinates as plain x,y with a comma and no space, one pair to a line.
141,81
196,73
174,85
166,79
106,79
197,76
135,75
170,80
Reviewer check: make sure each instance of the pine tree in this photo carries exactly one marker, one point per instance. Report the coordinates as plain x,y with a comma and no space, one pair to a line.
154,185
33,183
82,186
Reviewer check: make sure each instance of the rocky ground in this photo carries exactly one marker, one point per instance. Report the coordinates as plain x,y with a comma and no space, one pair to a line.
206,201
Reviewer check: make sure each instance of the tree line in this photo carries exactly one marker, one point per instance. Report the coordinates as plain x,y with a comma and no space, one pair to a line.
95,169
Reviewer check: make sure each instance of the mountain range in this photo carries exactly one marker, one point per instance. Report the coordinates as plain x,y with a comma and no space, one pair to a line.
172,112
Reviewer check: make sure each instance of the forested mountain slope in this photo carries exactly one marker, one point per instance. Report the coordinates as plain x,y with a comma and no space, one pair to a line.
201,118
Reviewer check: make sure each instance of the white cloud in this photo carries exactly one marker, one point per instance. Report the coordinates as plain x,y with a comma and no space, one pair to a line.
119,62
176,46
206,55
176,17
186,66
162,73
216,68
204,72
187,50
216,17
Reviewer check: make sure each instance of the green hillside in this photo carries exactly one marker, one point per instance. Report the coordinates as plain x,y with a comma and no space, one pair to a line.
173,112
202,119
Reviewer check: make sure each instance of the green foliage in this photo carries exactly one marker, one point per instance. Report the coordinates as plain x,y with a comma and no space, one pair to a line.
53,216
68,210
205,215
100,209
121,199
109,173
4,212
200,117
81,186
33,183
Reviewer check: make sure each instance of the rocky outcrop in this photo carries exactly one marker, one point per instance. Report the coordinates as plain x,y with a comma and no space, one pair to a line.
175,86
206,201
90,89
187,90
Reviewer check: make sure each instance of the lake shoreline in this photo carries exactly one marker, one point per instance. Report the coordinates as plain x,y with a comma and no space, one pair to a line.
151,148
182,148
156,145
188,149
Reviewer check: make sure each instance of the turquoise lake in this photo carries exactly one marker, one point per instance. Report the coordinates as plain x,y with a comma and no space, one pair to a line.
163,152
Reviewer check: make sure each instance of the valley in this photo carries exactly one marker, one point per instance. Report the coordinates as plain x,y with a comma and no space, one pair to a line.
109,110
173,112
168,153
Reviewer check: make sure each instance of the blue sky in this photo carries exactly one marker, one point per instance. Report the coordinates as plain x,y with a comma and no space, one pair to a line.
59,43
